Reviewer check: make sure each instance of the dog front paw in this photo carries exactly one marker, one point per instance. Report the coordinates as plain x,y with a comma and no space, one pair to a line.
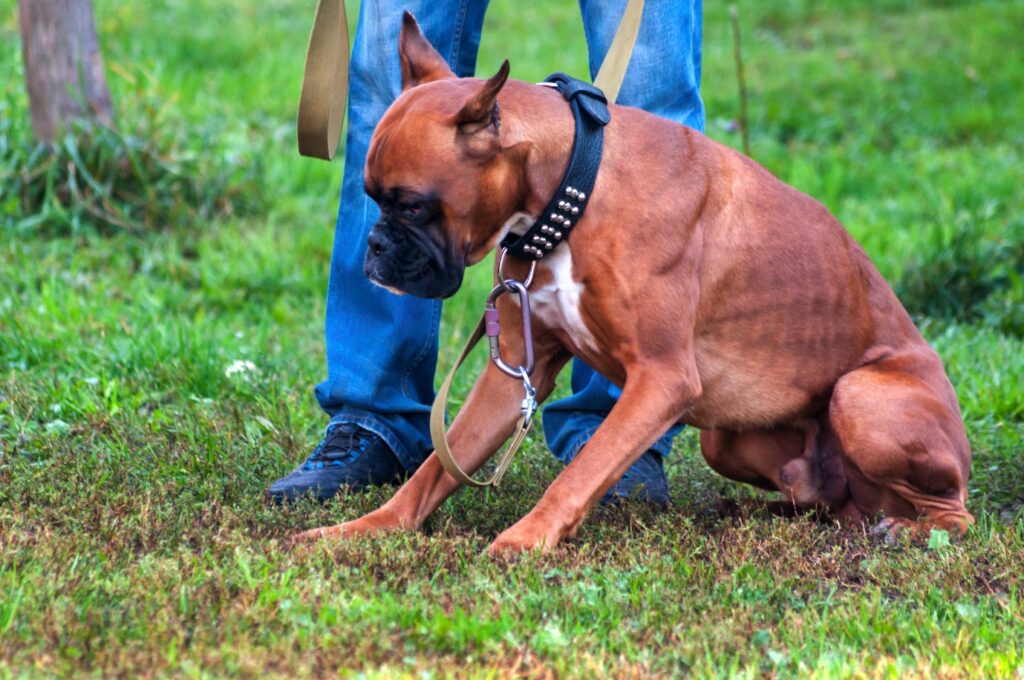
314,535
519,539
373,523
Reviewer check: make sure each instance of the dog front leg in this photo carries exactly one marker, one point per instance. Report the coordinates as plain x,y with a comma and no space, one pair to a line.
486,420
647,408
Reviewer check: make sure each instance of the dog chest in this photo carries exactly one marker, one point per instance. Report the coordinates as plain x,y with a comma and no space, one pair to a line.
557,303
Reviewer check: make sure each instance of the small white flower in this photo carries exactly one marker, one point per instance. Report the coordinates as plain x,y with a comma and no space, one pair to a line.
239,334
57,427
240,367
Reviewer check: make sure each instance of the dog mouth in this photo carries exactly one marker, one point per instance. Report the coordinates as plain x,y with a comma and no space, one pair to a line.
416,260
420,280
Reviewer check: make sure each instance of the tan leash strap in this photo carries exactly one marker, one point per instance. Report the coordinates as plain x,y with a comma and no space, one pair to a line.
613,68
324,82
440,439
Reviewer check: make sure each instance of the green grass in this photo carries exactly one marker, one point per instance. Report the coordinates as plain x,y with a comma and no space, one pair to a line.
133,536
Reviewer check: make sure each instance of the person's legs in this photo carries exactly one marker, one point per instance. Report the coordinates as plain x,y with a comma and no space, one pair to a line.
381,348
664,78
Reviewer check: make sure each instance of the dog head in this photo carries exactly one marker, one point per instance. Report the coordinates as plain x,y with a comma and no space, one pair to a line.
441,170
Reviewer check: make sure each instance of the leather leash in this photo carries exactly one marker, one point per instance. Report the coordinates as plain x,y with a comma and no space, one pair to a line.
440,438
609,79
613,68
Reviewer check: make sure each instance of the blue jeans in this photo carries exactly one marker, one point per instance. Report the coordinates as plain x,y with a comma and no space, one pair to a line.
382,348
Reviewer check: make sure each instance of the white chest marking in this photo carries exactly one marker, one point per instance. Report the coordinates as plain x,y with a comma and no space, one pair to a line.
558,303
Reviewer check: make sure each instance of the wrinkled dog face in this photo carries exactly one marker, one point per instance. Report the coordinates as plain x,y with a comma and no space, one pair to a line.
408,251
433,168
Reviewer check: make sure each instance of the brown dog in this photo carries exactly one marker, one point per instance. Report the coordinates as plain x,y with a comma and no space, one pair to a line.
713,293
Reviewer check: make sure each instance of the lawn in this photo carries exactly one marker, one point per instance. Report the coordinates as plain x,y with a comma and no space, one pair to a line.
134,536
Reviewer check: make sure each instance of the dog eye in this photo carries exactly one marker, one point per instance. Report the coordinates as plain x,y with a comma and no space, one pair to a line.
411,209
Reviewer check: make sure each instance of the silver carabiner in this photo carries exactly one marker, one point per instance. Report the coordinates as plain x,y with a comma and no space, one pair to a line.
493,329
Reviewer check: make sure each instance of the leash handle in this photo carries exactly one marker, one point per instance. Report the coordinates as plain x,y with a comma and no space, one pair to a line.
324,82
440,438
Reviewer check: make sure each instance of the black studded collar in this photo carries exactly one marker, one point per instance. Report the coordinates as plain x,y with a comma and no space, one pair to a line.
564,211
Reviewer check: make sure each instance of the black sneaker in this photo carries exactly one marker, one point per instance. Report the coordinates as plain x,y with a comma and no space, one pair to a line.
349,456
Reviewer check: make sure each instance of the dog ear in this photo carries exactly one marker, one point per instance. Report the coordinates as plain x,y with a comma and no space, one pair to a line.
420,61
481,111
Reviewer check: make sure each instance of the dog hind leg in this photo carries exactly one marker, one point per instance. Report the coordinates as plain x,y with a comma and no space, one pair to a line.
904,447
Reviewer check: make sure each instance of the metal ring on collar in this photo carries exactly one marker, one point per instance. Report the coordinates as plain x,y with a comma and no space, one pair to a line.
501,269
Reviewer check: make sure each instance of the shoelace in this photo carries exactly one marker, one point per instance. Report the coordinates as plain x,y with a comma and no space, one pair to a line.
343,443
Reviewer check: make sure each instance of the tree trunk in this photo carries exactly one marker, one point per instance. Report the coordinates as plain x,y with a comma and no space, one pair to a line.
63,65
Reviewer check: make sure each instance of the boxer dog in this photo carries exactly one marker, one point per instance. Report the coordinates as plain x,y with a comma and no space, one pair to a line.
714,294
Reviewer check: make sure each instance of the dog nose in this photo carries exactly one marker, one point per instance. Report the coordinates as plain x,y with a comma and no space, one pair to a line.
377,243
